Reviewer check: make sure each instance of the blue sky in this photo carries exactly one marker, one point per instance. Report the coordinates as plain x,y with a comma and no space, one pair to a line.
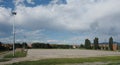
10,3
60,21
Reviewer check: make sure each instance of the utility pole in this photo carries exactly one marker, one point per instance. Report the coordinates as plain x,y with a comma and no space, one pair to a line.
14,13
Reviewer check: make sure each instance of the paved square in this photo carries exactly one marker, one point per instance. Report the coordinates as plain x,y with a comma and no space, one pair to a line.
37,54
67,53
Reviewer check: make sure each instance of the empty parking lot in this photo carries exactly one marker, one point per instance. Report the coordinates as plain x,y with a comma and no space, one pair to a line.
67,53
37,54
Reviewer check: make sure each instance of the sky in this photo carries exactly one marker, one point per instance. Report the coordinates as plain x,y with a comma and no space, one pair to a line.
60,21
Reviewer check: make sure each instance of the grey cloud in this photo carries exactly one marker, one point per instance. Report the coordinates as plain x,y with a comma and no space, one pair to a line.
108,25
94,16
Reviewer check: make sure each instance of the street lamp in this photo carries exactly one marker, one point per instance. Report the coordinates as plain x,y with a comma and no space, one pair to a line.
14,13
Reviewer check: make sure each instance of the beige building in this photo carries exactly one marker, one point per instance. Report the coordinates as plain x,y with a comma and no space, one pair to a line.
105,46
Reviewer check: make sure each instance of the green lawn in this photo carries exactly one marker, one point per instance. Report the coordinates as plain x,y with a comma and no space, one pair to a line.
68,60
9,56
114,63
17,55
2,52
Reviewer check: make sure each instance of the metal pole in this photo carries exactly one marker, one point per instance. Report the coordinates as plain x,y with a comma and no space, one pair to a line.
14,13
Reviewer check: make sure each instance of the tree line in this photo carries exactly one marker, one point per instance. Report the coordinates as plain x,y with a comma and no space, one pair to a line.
50,46
2,48
39,45
88,44
6,47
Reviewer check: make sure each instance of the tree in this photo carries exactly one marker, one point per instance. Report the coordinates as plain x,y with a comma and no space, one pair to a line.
81,46
0,44
18,45
41,45
87,44
111,43
24,45
96,41
2,48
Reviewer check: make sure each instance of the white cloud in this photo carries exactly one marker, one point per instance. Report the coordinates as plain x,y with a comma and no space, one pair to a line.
30,35
18,2
54,1
5,15
52,41
91,16
30,2
71,16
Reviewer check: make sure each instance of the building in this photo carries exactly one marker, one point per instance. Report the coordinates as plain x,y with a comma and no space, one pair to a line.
105,46
75,46
115,47
8,46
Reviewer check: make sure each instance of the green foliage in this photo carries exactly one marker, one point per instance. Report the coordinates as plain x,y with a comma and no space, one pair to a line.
111,43
82,46
40,45
17,55
96,41
6,47
68,60
2,48
57,46
114,63
24,45
87,44
18,45
52,46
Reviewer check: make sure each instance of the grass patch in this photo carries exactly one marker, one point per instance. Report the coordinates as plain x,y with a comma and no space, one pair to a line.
2,52
68,60
114,63
4,59
17,54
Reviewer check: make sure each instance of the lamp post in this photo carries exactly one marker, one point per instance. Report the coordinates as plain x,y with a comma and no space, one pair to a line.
14,13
